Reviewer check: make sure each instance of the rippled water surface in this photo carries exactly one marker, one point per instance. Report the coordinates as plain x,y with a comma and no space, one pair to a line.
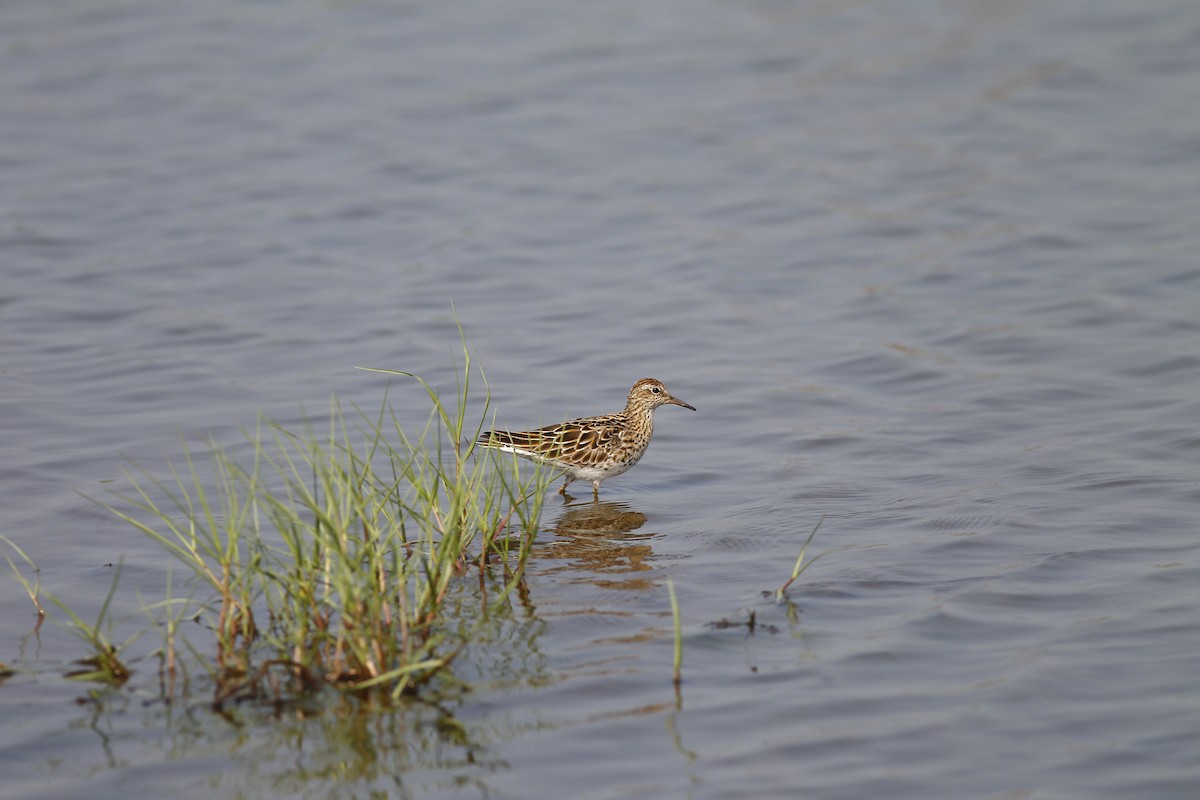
927,269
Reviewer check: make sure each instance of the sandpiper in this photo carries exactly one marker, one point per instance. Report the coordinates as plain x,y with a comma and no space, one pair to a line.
592,448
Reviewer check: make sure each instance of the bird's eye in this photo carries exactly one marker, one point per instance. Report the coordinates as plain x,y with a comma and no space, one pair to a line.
655,390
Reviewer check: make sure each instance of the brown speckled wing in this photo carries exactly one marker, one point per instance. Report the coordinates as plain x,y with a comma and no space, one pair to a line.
585,442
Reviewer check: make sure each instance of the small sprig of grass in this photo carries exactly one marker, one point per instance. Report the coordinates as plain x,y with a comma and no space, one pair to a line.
105,664
31,587
165,615
800,566
678,629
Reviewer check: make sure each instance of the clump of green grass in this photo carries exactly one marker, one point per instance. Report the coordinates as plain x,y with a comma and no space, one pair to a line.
328,557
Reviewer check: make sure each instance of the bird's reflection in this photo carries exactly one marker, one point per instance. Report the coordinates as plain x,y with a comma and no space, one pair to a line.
597,538
581,519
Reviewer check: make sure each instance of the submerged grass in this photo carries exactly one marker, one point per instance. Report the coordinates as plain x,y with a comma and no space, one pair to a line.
328,557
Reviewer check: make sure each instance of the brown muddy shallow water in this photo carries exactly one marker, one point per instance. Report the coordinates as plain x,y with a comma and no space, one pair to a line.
926,269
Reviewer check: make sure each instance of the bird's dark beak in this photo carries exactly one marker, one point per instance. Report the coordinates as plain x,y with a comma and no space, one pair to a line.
675,401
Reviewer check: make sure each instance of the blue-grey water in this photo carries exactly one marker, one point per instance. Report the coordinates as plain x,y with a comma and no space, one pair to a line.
928,269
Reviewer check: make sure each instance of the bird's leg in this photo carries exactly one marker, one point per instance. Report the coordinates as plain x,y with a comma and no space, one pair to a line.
563,489
595,490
